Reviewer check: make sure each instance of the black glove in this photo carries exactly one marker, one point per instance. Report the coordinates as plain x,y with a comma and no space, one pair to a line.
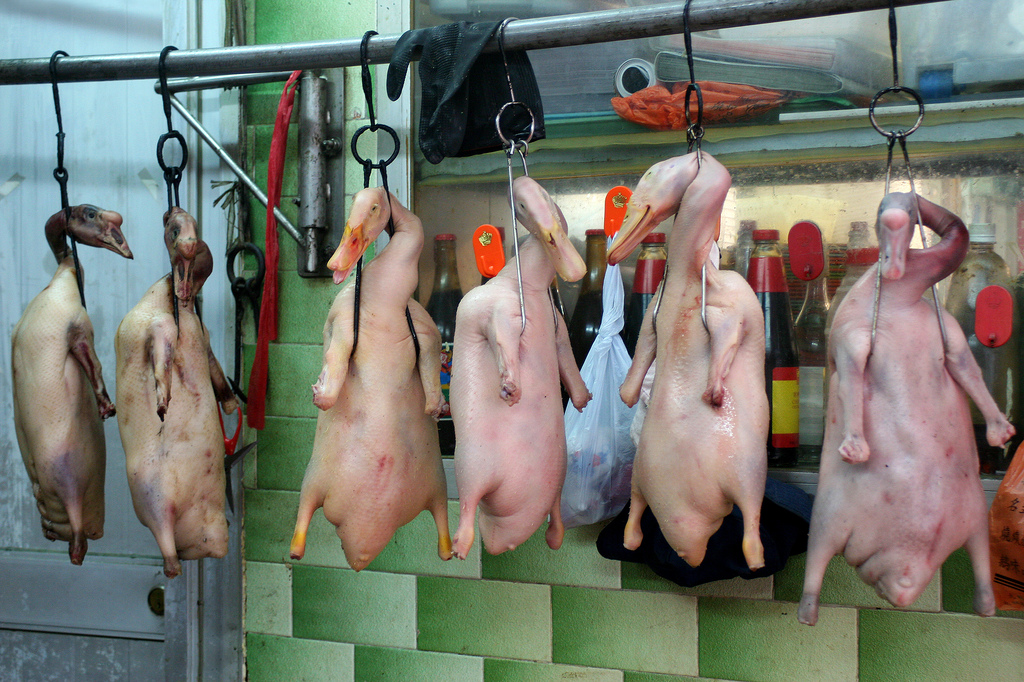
463,90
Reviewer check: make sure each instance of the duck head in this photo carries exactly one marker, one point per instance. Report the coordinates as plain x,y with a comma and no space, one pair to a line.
183,246
89,225
366,220
541,216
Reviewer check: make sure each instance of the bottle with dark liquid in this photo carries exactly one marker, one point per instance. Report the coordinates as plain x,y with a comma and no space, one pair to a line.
983,267
767,277
586,317
442,306
650,268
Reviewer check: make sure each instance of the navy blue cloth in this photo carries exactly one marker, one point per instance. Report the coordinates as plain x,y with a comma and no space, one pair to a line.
785,521
463,89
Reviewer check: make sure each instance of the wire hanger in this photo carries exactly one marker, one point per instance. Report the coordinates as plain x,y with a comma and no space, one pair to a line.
60,174
892,137
382,168
514,144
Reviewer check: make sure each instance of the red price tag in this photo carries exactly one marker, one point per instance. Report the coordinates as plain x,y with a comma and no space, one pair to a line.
488,249
806,254
615,209
993,316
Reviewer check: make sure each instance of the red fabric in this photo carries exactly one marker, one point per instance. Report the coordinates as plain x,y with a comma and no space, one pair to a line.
256,411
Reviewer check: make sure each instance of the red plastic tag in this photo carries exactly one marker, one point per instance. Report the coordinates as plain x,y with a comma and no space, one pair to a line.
806,254
993,316
488,249
615,208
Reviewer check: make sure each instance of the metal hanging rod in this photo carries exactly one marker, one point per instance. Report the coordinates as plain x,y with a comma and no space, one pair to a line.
523,34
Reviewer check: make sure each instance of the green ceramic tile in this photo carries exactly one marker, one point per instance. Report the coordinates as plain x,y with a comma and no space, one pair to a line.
261,152
641,577
282,21
273,659
896,645
261,102
268,598
285,445
633,676
484,617
248,464
575,563
269,521
287,261
413,549
842,586
362,608
378,664
292,370
958,586
595,627
762,641
303,305
500,670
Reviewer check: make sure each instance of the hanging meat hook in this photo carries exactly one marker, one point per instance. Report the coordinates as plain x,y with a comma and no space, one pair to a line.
60,173
892,137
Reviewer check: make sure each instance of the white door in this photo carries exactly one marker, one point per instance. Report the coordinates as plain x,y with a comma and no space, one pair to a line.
94,622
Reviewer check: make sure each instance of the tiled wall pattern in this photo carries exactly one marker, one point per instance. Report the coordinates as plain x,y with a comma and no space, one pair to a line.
533,614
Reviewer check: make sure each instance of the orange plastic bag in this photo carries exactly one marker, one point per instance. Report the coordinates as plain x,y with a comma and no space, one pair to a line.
1006,537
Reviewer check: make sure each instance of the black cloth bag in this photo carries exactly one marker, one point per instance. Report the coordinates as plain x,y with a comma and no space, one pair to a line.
463,89
785,521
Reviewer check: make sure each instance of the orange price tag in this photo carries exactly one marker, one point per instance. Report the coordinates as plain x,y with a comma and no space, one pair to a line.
615,209
806,255
993,316
488,249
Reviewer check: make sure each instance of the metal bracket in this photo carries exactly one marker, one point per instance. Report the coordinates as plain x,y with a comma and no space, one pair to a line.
321,168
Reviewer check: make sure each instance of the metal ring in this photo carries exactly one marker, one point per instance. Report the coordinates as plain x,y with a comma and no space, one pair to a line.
891,134
255,251
60,174
374,128
497,121
174,135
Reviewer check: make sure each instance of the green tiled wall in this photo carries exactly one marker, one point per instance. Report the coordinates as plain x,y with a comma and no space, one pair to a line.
532,615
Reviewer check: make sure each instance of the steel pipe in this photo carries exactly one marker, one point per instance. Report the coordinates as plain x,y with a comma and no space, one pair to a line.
235,168
312,169
212,82
523,34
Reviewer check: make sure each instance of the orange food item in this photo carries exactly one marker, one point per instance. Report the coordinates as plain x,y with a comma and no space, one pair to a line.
658,108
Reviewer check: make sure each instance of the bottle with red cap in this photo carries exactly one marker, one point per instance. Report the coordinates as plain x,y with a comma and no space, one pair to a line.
767,277
861,254
442,306
650,269
586,317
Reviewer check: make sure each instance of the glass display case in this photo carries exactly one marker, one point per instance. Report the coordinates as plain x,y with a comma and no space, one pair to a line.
814,157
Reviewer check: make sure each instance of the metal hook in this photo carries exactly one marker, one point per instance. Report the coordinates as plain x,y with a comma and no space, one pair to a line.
364,60
509,151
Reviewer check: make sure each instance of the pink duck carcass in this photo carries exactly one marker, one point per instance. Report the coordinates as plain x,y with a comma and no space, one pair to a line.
60,400
505,399
702,445
168,387
376,463
899,488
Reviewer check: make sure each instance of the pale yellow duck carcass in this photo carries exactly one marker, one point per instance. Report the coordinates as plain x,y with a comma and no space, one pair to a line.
376,463
60,400
702,448
510,457
168,387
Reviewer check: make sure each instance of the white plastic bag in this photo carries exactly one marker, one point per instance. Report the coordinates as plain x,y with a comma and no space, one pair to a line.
599,449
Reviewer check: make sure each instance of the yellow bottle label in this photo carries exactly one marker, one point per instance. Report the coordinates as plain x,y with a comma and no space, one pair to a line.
785,407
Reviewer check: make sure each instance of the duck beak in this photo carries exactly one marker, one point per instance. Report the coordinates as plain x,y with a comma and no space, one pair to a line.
563,255
366,220
894,234
638,222
111,236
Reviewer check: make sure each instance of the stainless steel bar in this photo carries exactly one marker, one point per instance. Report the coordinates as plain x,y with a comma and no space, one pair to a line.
211,82
523,34
235,168
312,168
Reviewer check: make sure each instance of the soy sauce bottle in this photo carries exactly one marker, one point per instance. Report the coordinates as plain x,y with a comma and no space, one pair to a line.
650,268
442,306
586,317
767,277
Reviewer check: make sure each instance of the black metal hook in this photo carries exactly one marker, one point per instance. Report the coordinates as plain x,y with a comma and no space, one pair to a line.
364,61
511,141
172,174
695,128
60,173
